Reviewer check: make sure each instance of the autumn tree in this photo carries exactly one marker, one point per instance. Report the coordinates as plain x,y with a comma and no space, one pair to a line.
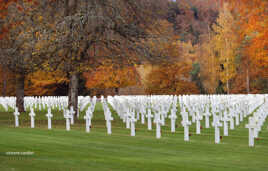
172,74
40,83
18,46
110,76
88,32
252,19
226,42
190,18
207,58
171,79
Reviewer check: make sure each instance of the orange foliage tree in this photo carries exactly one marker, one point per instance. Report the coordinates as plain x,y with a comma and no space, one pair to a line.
253,20
172,75
171,79
44,83
110,76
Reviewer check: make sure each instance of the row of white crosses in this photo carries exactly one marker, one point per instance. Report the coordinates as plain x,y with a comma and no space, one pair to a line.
88,118
125,111
256,122
42,103
185,123
89,112
49,115
37,103
224,110
32,115
133,108
83,102
69,117
8,102
173,114
16,114
221,111
107,115
68,114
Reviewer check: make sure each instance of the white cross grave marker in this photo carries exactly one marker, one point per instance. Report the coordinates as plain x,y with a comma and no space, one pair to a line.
158,123
225,124
198,119
132,122
216,125
88,117
16,114
32,115
207,115
109,118
149,120
185,123
67,116
72,112
173,118
251,126
49,116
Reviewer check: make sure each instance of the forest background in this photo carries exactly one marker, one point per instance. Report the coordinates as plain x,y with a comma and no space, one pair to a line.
210,47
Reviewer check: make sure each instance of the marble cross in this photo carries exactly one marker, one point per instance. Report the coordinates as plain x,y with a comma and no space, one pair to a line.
237,118
88,117
216,125
158,123
185,123
142,114
251,126
231,120
72,112
207,115
225,120
173,118
198,125
193,115
127,119
109,118
67,116
132,122
49,116
32,115
257,129
16,114
149,119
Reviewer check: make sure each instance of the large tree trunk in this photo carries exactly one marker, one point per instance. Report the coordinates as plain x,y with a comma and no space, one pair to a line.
20,91
73,91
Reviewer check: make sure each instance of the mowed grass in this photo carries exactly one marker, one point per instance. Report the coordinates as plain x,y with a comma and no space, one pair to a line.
59,150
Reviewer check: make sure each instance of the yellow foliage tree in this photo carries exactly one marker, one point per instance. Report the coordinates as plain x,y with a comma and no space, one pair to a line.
44,83
171,79
226,44
209,65
172,76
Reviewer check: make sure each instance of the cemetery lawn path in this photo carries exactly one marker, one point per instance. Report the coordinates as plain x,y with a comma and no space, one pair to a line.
59,150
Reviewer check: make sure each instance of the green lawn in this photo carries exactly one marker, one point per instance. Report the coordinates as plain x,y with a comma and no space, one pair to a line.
58,149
